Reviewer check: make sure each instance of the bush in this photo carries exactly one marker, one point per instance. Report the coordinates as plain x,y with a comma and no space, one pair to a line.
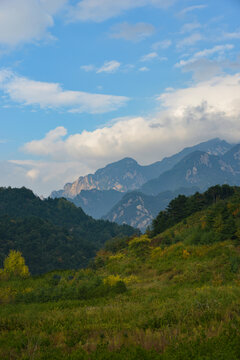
14,266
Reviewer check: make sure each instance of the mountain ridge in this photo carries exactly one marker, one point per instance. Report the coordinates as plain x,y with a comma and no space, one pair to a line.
127,175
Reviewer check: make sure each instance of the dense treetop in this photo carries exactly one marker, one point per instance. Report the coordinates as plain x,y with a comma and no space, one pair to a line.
182,206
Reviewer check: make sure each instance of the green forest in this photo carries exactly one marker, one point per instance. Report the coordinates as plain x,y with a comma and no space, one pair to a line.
169,294
51,234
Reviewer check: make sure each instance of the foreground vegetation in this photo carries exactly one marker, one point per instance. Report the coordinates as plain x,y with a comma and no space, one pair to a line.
172,296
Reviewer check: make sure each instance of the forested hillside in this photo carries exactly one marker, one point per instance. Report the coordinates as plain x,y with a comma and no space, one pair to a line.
173,295
53,233
182,206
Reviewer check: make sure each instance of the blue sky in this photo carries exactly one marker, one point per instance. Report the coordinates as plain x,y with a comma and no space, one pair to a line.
84,83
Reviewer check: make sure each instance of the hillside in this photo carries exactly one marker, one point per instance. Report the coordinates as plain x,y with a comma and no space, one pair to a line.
97,203
174,296
51,234
138,209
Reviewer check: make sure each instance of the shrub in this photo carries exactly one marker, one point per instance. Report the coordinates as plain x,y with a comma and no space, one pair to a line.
14,265
140,246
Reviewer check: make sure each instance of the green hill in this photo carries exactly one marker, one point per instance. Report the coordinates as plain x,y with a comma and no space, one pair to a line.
53,233
172,296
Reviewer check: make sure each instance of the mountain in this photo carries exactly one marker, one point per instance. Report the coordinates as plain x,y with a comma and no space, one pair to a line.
138,209
97,202
103,194
121,176
213,147
232,158
52,233
127,175
196,169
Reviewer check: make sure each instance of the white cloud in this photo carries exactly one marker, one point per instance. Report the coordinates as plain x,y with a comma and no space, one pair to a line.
190,27
51,95
149,57
191,8
52,6
164,44
26,20
88,68
233,35
33,174
101,10
203,111
109,67
132,32
215,49
220,94
204,69
218,49
40,176
144,69
189,40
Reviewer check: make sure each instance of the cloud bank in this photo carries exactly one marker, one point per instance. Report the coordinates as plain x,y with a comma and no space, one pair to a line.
101,10
27,20
46,95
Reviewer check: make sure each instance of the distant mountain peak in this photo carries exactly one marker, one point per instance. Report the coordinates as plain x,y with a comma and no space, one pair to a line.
127,175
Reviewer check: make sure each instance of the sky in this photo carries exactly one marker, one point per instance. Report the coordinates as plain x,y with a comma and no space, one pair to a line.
85,83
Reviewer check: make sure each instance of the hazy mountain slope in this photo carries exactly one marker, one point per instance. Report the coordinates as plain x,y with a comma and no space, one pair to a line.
97,202
122,176
232,158
197,169
213,147
126,174
138,209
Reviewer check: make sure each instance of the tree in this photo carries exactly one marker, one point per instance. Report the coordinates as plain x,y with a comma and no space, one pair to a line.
14,265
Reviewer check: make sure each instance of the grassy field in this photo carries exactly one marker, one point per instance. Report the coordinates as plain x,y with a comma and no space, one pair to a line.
175,296
180,302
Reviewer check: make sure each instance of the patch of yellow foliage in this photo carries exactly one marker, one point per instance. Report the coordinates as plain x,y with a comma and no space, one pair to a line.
116,257
14,266
186,254
140,239
112,280
157,252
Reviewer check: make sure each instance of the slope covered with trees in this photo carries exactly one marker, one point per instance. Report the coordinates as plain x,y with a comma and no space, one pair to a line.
182,206
53,233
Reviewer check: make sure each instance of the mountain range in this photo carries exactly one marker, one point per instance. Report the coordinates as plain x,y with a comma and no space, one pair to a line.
127,192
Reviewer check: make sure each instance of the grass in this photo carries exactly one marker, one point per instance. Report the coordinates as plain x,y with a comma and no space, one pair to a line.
182,302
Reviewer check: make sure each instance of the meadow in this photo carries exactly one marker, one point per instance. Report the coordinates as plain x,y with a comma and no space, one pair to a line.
173,296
